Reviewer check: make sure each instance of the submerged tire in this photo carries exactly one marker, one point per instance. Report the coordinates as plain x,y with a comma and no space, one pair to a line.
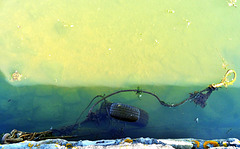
124,112
129,114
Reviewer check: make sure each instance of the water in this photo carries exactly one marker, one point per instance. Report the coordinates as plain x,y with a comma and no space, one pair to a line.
70,51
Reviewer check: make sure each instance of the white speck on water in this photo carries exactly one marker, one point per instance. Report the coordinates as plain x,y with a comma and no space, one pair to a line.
188,22
109,49
171,11
196,120
72,26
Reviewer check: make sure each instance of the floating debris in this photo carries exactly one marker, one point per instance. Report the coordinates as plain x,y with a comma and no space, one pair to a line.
16,76
170,11
65,24
196,120
232,3
188,22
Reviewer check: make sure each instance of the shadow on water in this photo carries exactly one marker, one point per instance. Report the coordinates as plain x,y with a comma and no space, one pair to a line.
40,107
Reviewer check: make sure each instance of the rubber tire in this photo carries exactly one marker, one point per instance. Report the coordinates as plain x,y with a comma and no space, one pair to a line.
124,112
129,114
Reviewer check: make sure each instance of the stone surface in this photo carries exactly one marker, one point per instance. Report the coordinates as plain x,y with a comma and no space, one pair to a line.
126,143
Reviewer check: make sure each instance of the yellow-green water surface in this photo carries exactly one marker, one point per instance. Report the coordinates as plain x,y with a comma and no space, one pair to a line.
118,43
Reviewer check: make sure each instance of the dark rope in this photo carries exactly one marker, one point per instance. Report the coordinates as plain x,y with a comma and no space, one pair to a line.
87,107
71,127
192,96
198,97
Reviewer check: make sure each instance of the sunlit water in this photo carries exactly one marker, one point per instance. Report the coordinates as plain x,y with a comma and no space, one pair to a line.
70,51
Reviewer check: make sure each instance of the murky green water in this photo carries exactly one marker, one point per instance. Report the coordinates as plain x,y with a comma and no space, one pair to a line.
40,107
70,51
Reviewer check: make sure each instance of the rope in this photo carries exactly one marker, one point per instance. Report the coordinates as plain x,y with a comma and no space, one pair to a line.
199,98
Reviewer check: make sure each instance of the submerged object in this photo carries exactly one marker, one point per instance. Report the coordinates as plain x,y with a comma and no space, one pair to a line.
225,81
4,138
200,98
118,111
110,119
124,112
129,114
18,136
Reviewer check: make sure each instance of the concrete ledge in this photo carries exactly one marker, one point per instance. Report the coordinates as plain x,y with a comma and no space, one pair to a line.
126,143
